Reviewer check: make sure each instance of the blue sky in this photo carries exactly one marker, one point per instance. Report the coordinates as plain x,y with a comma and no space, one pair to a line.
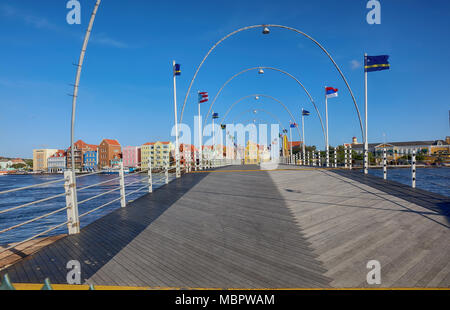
126,84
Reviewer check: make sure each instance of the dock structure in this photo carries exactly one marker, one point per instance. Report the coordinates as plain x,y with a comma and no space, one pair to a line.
246,227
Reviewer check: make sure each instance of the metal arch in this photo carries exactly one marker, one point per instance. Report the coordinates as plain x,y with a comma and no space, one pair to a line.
77,81
260,95
267,68
262,110
275,26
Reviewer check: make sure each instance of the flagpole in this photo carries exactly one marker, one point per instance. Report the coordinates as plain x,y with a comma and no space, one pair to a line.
290,138
303,134
366,144
326,124
177,150
200,136
213,141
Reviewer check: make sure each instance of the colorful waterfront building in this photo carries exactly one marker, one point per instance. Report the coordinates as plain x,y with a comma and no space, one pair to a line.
109,153
251,153
131,156
90,161
57,162
40,159
158,153
80,149
187,152
5,164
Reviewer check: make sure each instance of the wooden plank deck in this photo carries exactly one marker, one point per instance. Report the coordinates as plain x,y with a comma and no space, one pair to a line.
241,227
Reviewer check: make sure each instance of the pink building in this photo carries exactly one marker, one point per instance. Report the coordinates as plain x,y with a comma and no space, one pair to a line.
131,156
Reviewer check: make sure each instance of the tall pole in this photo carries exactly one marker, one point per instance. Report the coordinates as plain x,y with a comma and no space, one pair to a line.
200,136
303,135
366,144
77,82
213,140
177,150
326,123
290,138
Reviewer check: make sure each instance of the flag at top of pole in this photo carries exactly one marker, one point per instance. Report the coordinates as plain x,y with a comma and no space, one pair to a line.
293,125
177,69
331,92
376,63
203,97
305,113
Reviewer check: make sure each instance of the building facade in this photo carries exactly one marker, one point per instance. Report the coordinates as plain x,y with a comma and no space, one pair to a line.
40,159
80,149
131,156
109,152
158,153
5,164
251,153
57,162
90,161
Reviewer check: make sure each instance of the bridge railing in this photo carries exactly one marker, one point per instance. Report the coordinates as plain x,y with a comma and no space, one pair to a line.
121,188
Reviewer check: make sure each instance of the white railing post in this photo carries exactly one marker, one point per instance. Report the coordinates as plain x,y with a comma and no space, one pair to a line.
384,164
307,157
166,172
70,188
346,157
150,177
320,158
335,157
123,202
413,169
350,160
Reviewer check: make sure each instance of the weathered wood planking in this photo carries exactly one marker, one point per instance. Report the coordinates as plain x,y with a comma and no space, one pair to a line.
260,229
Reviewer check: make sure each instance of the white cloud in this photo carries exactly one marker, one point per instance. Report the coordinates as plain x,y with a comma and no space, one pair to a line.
355,64
103,39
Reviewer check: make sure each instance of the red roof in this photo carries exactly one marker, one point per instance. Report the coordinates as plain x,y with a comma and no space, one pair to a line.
80,144
149,143
111,142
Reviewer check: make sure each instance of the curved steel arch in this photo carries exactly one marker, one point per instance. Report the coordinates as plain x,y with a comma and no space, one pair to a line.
267,68
260,95
283,27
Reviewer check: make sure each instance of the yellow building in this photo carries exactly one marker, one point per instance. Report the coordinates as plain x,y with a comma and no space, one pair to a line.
40,158
251,155
157,152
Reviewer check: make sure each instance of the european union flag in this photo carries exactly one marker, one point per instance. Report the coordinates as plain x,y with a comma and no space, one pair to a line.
177,69
376,63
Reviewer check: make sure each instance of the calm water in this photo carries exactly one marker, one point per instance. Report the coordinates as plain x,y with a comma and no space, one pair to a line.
27,213
436,180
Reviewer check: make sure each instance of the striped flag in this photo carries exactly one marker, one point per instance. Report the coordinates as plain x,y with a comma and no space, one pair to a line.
203,97
331,92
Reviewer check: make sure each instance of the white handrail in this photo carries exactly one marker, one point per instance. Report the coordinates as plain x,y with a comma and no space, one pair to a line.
33,237
32,203
99,195
31,186
32,220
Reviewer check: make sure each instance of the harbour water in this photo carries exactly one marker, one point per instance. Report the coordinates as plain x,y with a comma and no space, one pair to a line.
21,215
435,180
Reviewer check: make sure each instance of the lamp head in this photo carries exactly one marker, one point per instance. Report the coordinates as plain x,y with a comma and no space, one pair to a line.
260,71
266,30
